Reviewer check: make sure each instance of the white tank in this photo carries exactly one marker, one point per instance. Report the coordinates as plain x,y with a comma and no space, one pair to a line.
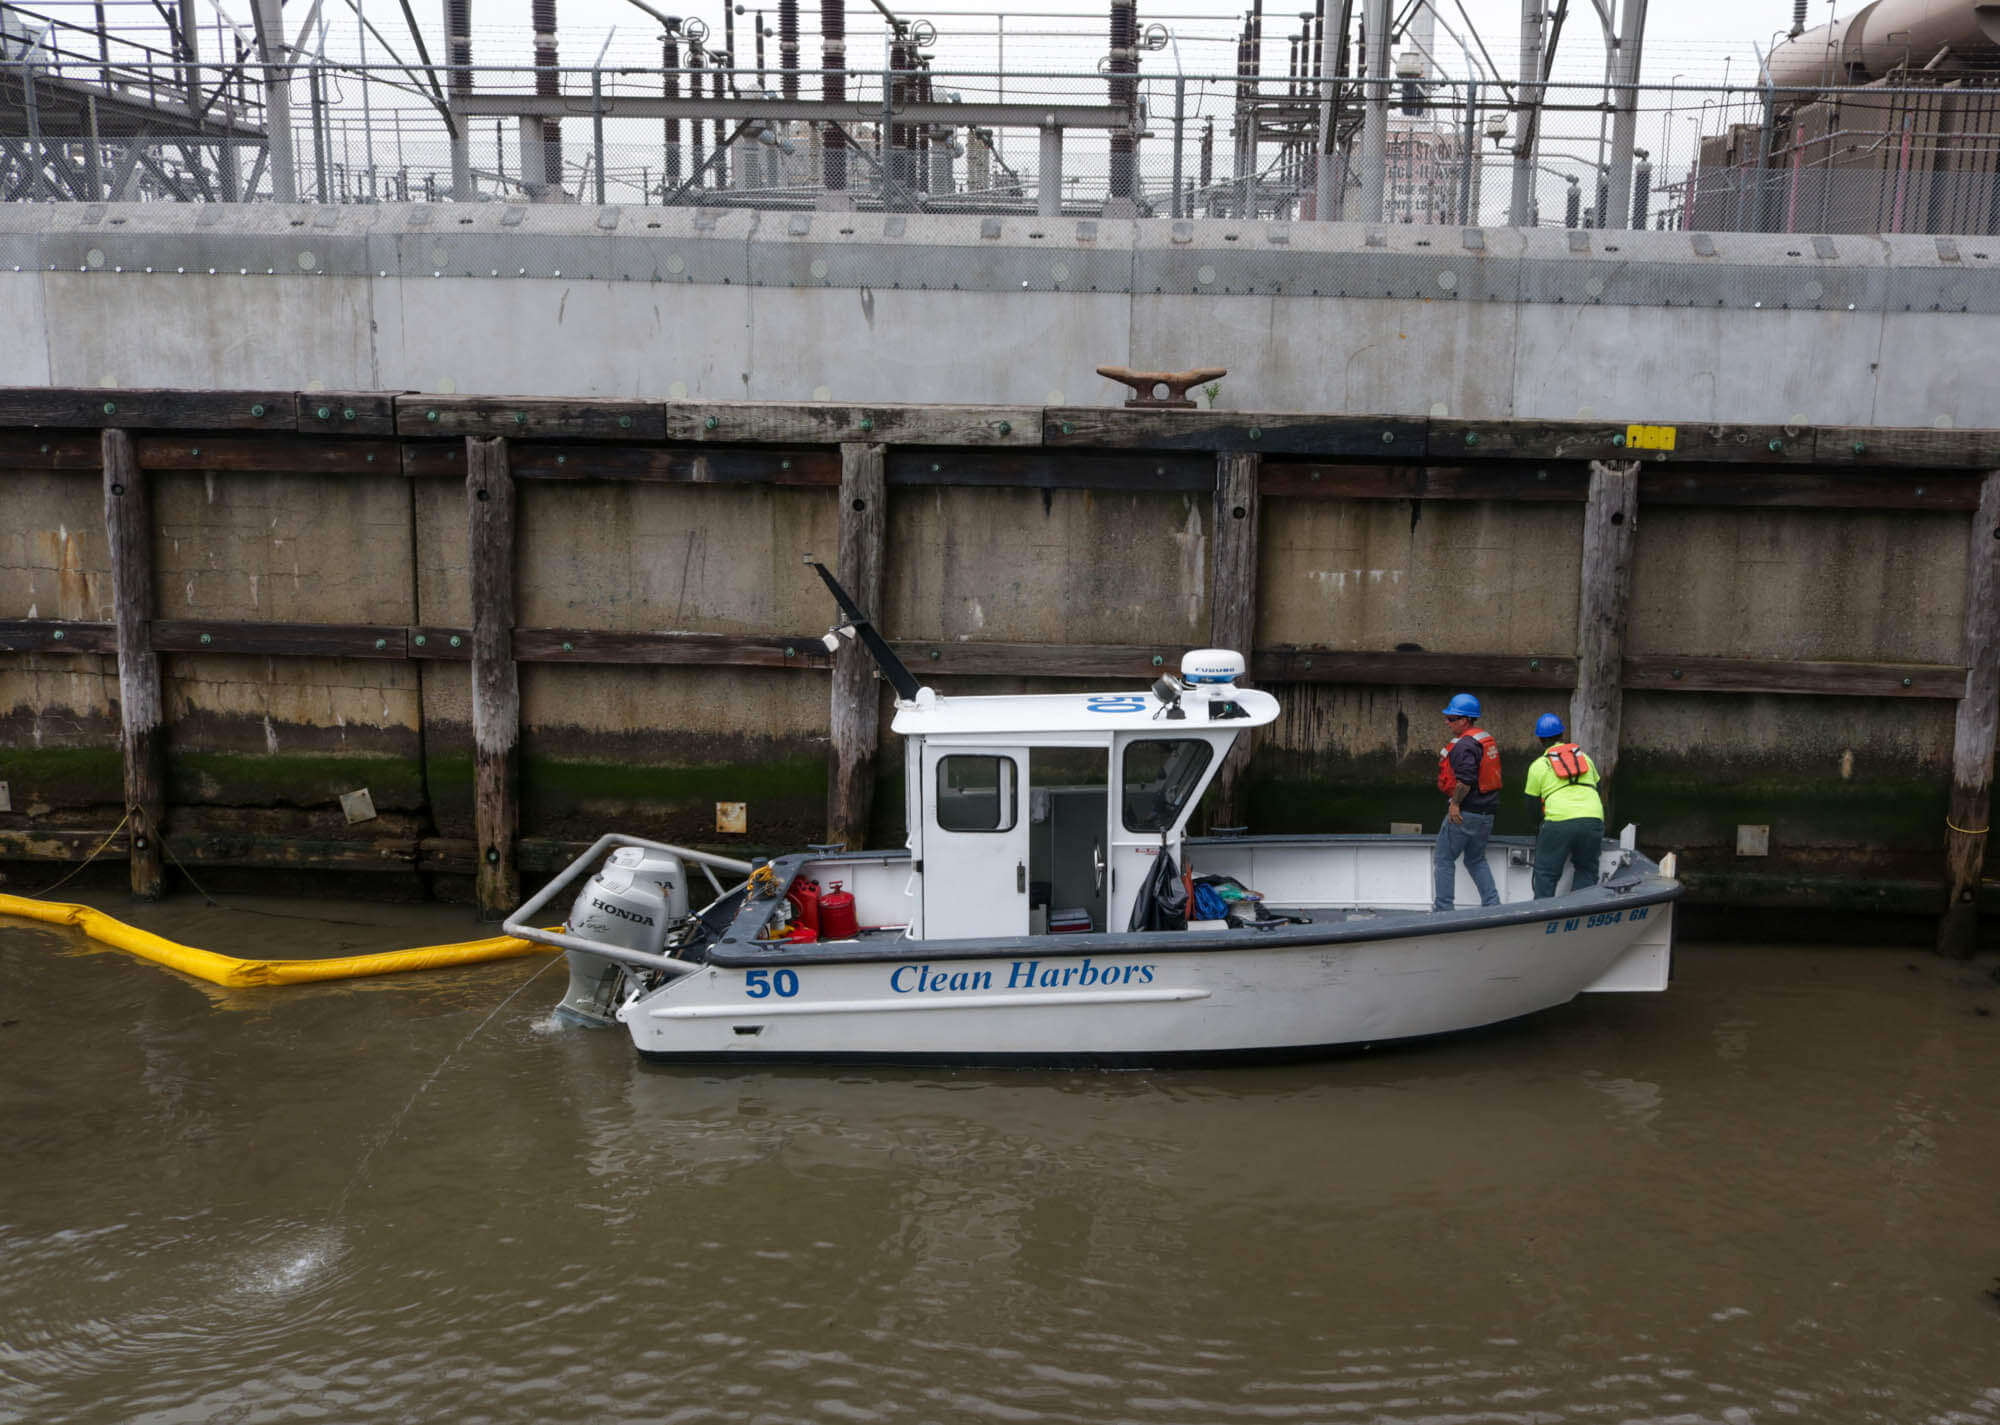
1867,43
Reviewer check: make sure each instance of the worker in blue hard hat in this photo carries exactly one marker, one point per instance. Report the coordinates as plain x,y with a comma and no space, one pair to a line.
1563,783
1469,775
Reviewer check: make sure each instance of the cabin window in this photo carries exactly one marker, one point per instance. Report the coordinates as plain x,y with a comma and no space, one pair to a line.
1160,775
975,793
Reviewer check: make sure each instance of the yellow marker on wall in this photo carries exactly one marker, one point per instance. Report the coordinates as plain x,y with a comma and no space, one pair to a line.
1649,437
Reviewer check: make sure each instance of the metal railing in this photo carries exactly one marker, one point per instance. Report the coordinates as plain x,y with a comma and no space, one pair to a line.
1921,158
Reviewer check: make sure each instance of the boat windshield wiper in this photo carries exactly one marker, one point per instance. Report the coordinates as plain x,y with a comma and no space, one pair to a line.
857,625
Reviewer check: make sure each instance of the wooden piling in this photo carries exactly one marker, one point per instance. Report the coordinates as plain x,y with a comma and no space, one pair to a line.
496,685
129,524
1967,823
857,700
1232,605
1596,708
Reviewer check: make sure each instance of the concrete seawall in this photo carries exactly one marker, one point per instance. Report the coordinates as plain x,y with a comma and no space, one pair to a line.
732,305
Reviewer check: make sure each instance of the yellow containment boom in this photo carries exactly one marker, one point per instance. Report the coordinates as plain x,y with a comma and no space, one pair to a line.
228,970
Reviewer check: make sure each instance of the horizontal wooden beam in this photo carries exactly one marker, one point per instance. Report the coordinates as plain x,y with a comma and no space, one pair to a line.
1328,665
1920,447
1617,440
691,465
1079,468
44,635
947,657
347,413
578,645
434,459
530,418
1052,469
1438,440
776,422
220,848
537,855
1655,673
1269,433
1036,660
96,408
50,450
440,642
1564,484
32,843
299,640
280,455
1528,483
1811,489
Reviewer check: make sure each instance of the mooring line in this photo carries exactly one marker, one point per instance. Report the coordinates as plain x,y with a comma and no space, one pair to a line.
203,892
77,871
389,1133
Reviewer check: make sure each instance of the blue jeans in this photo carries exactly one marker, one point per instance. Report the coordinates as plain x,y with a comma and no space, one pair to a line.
1467,839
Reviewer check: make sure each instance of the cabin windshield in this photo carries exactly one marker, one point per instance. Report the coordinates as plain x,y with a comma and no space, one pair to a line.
1160,775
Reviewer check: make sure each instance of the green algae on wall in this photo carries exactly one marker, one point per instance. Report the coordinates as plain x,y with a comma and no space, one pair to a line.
1680,802
295,779
785,796
63,778
1676,802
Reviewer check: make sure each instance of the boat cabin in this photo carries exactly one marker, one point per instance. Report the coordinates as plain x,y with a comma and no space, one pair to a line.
1044,815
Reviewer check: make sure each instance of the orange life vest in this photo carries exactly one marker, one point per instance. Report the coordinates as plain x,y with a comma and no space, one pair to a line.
1489,762
1568,761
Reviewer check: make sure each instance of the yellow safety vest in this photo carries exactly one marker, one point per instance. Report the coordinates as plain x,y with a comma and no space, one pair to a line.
1566,801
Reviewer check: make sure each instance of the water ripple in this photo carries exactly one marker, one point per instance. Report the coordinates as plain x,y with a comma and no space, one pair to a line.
1764,1196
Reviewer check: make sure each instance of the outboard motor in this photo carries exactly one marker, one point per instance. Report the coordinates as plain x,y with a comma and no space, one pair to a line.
636,902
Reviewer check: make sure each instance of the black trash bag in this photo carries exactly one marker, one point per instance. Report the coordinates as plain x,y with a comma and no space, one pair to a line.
1162,901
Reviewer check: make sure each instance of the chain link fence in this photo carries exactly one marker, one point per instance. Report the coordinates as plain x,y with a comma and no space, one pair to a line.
86,118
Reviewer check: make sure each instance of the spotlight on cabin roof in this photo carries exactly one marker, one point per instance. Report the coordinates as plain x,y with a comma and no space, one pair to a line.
1211,665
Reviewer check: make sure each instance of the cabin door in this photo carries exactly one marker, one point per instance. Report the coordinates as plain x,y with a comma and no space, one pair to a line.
1067,870
975,880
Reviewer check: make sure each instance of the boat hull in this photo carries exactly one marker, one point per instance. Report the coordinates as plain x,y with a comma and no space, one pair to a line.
1140,999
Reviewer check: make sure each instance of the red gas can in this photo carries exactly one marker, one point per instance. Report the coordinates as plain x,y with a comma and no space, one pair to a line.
802,934
836,914
804,896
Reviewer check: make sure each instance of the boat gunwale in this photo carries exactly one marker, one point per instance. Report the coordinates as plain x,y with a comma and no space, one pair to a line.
734,949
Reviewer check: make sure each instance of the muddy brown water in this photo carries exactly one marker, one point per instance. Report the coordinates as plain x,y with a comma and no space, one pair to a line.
1772,1193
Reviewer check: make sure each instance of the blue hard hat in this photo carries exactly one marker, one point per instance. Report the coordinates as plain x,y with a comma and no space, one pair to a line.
1462,705
1548,725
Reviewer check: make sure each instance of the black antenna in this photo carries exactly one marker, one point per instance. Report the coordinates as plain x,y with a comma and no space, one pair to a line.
857,624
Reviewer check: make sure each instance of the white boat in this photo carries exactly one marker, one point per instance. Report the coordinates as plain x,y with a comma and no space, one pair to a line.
1029,917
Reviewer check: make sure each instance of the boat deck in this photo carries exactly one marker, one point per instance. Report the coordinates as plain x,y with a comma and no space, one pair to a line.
887,941
1312,885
